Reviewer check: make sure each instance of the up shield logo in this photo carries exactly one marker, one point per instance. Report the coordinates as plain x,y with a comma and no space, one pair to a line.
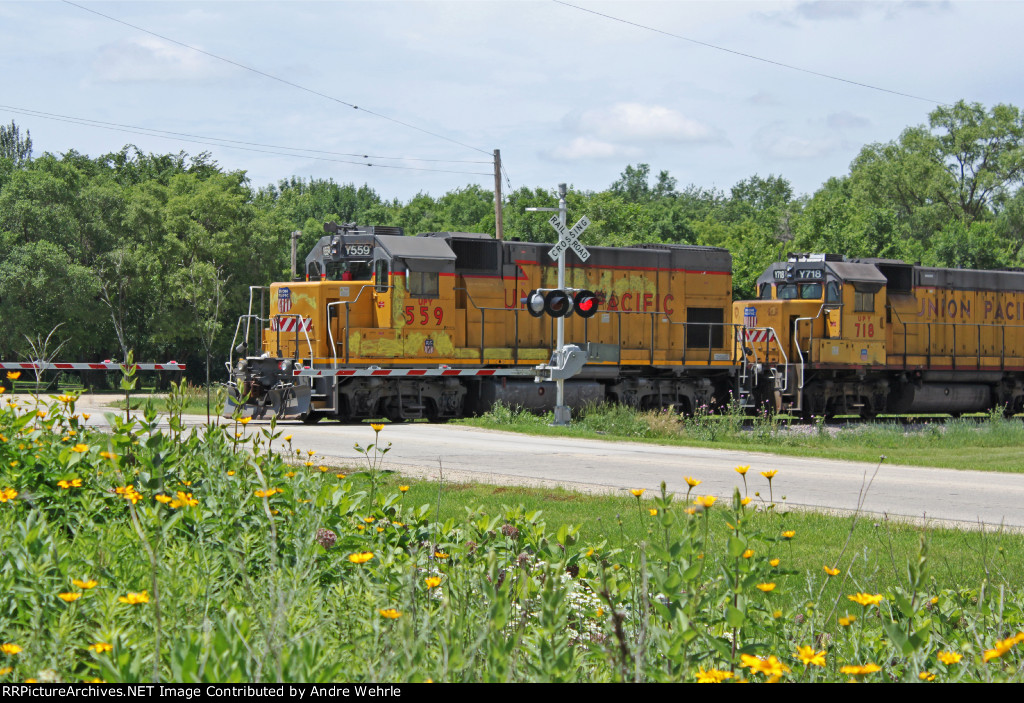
284,300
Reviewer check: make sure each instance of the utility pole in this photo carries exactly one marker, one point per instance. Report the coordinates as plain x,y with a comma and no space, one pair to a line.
295,240
498,225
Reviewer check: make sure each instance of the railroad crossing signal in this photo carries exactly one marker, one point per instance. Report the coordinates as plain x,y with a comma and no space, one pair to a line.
569,238
561,303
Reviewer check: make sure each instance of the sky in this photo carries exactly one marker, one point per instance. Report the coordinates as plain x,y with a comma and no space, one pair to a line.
428,90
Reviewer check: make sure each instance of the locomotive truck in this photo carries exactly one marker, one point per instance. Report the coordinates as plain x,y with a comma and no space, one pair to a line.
439,326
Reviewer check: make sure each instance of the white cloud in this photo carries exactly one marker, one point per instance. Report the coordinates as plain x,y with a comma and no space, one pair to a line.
152,59
778,141
589,148
625,122
846,120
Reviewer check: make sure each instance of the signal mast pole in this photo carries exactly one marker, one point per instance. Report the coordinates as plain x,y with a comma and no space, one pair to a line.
563,414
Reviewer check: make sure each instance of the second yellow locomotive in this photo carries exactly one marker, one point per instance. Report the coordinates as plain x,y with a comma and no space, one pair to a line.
830,335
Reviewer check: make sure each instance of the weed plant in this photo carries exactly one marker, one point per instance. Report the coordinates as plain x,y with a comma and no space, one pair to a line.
228,554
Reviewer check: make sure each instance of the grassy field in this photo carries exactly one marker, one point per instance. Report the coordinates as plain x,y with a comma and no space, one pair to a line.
983,444
872,553
228,553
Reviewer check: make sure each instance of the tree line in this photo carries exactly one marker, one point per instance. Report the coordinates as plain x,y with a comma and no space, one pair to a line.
155,252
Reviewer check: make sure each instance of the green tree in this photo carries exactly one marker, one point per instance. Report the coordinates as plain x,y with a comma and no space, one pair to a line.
13,147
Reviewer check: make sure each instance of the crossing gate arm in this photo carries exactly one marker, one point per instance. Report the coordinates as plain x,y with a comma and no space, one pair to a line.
98,366
327,373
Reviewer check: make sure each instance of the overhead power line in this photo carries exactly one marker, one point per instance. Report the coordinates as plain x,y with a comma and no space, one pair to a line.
243,146
278,78
750,56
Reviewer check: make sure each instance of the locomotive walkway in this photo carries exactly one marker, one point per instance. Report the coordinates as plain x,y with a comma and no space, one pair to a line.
938,497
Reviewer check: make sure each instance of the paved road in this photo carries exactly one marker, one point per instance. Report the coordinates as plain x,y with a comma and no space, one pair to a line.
937,496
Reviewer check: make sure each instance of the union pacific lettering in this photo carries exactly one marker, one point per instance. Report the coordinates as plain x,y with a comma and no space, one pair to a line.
627,302
953,309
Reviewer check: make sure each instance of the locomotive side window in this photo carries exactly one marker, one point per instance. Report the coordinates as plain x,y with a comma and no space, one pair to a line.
863,302
810,291
422,284
766,291
832,293
380,275
786,291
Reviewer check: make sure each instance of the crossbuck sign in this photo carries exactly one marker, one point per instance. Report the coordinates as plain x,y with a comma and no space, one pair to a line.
569,238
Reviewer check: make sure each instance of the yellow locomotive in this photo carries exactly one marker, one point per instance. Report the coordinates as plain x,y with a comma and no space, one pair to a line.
435,326
830,335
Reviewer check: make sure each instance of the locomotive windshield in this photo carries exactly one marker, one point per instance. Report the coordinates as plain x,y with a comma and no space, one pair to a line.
798,291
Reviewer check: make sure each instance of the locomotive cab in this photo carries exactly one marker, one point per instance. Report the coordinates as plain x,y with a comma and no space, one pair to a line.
813,311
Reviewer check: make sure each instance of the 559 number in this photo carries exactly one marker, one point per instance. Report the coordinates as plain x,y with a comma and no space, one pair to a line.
424,316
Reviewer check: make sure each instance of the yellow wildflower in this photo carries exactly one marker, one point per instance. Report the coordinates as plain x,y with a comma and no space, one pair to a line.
323,469
1002,647
691,482
129,493
705,501
949,658
69,597
433,581
73,483
789,534
831,572
808,656
847,620
109,455
376,427
80,448
160,498
244,420
369,519
441,555
267,493
926,676
860,670
712,675
653,511
403,489
231,473
866,599
86,584
360,557
7,647
13,375
4,670
135,598
85,416
766,587
290,474
770,474
770,667
742,470
288,438
746,501
637,491
101,647
748,553
390,613
183,499
775,562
